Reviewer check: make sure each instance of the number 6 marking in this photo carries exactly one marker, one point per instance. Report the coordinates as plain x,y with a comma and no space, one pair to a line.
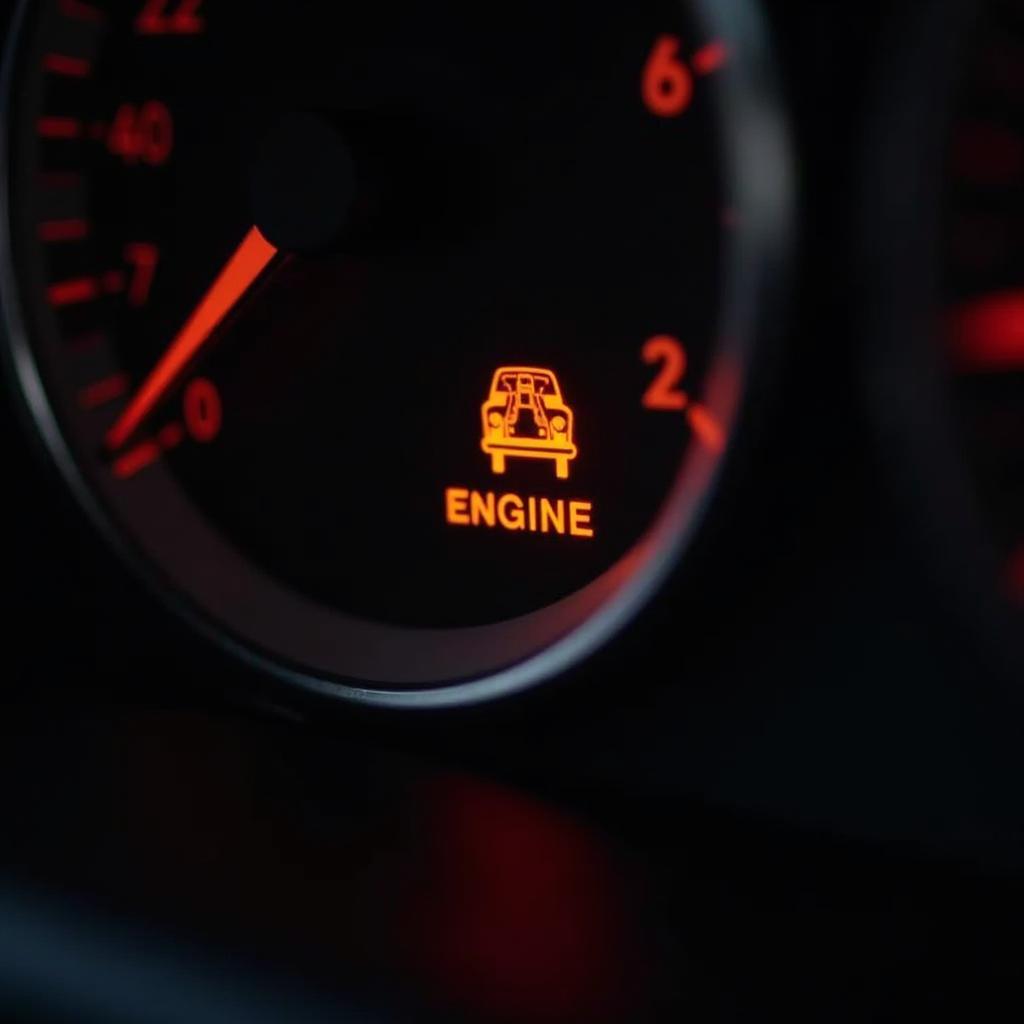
664,394
667,81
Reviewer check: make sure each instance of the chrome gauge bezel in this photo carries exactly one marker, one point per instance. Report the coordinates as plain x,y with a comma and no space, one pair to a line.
436,669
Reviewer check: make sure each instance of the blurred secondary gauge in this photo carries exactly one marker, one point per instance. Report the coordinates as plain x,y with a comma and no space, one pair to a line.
399,345
946,248
983,279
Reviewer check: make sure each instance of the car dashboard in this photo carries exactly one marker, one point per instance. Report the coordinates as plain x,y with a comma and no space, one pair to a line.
512,514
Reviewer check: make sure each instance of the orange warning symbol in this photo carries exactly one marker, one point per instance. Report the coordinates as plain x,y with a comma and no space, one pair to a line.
526,417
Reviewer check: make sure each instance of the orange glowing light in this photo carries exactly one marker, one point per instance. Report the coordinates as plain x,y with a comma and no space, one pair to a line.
516,514
249,260
526,417
664,394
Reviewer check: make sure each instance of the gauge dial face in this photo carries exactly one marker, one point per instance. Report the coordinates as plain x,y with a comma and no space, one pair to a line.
984,277
398,351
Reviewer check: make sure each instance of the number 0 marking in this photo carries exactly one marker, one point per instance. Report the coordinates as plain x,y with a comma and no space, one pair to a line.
202,409
664,394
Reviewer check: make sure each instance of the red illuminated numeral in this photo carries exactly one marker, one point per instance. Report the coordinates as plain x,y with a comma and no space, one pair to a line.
202,409
169,18
664,394
143,258
143,133
667,82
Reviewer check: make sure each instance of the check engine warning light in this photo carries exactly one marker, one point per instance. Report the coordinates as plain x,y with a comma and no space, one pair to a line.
524,417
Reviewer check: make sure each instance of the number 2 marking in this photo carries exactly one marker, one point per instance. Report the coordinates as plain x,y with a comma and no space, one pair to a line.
664,394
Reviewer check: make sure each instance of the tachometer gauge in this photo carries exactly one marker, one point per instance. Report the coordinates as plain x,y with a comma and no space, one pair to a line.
947,206
983,280
399,345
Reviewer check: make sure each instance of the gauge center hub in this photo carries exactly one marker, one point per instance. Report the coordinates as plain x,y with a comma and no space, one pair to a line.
303,184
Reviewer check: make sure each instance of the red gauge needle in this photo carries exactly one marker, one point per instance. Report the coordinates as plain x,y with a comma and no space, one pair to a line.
247,262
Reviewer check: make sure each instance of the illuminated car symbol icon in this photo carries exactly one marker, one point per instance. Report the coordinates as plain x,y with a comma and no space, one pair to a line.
526,417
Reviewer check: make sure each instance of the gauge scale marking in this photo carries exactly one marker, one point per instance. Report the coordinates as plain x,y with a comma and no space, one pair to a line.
400,356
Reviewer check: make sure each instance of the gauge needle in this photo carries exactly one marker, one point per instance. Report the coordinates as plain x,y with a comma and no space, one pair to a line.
246,264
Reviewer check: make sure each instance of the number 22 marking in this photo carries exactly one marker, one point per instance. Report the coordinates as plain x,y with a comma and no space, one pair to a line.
157,18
